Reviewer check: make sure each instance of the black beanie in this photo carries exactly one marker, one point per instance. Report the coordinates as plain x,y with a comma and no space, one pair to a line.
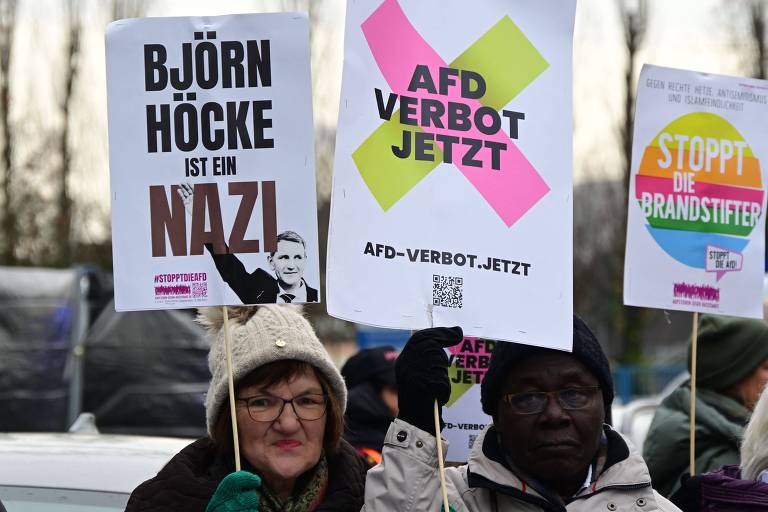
586,350
375,365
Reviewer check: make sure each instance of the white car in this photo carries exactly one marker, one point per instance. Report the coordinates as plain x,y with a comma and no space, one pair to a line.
78,472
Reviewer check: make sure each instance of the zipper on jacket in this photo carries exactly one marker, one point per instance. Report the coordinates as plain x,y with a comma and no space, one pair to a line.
512,492
623,487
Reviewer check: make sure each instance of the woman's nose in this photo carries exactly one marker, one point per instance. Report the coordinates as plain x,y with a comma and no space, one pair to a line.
288,420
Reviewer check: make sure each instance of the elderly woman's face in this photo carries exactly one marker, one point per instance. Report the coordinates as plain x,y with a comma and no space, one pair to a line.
557,444
283,449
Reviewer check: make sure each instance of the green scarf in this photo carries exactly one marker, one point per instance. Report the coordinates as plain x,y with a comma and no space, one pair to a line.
305,498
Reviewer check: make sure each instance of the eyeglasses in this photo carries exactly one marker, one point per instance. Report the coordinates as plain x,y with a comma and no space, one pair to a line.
308,407
534,402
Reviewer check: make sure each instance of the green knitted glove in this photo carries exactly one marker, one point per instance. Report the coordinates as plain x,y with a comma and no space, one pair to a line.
236,493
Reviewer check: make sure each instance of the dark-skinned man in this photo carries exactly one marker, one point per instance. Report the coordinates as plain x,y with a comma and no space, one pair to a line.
548,448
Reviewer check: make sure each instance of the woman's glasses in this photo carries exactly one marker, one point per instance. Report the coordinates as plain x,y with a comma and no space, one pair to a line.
308,407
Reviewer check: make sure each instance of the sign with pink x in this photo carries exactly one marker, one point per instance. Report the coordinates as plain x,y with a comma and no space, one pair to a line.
452,178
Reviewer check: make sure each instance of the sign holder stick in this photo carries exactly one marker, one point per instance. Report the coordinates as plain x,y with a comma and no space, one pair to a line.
231,385
440,462
694,340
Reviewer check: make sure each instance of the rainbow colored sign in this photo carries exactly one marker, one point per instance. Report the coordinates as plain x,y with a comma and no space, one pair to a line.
699,185
697,193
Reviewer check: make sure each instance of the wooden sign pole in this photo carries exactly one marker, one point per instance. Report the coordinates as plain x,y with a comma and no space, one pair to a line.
440,462
694,343
228,347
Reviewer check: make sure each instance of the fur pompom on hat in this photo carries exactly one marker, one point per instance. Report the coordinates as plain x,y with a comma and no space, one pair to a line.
261,335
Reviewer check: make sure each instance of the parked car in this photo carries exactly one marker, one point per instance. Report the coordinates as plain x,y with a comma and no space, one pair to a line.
66,472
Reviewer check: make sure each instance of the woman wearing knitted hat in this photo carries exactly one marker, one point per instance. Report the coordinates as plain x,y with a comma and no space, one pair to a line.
732,371
548,448
290,402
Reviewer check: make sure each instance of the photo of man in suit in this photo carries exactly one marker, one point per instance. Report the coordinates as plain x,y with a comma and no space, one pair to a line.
260,287
288,265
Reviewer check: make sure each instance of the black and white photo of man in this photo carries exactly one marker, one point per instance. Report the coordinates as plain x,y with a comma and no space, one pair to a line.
260,287
288,265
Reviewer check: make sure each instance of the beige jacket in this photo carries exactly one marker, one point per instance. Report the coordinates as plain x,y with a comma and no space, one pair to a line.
407,480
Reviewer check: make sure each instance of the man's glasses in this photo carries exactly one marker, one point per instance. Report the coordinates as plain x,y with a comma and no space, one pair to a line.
534,402
308,407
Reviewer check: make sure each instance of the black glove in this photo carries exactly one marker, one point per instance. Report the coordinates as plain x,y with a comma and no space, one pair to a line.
422,376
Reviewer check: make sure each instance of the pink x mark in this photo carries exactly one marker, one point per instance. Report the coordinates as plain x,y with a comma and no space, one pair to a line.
398,48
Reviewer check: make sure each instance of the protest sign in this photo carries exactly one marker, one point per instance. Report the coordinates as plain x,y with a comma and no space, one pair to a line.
212,161
695,232
452,178
463,414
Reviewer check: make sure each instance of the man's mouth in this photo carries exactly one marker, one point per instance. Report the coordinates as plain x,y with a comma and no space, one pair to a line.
554,445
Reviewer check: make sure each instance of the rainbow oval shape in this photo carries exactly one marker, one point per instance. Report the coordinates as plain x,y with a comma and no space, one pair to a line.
699,184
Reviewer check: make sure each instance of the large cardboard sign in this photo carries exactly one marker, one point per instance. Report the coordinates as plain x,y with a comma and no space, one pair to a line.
212,161
695,233
452,179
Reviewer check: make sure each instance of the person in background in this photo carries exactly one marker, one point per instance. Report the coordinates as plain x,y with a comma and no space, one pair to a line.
372,404
742,488
732,371
548,448
290,401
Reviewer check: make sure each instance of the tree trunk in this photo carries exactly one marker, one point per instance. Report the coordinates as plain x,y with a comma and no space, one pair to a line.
64,221
9,227
631,320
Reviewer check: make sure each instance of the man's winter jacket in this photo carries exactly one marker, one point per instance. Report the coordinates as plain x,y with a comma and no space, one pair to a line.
407,480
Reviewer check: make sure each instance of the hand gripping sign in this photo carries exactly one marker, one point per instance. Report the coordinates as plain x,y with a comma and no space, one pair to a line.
453,159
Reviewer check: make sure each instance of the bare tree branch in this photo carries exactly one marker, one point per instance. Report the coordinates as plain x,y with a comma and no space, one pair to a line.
122,9
64,202
757,11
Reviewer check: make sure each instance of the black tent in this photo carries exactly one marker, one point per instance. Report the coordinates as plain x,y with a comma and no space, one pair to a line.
43,316
146,372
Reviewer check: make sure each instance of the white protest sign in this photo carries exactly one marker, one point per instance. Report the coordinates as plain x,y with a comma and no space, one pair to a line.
695,232
463,414
212,161
452,179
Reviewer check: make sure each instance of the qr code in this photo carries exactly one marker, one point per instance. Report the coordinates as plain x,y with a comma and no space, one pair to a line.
471,442
447,291
199,290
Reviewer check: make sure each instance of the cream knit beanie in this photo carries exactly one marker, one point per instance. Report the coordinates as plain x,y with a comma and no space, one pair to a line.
261,335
